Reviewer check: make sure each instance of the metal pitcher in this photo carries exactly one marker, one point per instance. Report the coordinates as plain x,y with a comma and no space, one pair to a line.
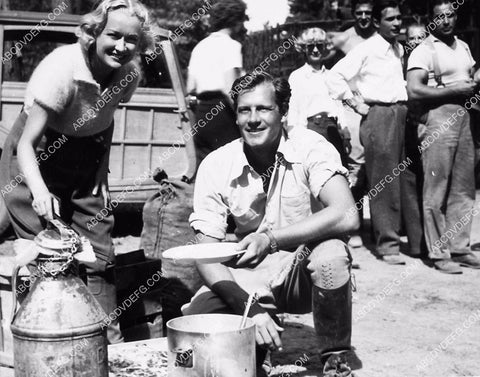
59,329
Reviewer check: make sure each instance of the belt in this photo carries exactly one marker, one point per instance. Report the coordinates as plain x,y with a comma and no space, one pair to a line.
372,103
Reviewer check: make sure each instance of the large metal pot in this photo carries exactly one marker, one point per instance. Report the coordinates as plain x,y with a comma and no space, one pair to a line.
211,345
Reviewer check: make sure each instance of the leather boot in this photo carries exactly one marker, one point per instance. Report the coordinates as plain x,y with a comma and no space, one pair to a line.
102,287
332,318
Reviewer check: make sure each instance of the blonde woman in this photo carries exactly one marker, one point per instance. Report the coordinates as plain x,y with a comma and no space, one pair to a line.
70,100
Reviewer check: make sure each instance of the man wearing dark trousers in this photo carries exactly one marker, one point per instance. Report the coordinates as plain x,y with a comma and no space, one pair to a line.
344,42
440,76
288,195
375,69
215,63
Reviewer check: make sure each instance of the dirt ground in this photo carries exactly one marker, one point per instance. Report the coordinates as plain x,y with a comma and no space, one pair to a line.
407,321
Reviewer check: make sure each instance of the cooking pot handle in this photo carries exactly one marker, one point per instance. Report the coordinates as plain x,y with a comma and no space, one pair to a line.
183,358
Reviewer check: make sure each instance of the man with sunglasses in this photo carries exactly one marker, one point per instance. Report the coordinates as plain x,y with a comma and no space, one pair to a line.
439,75
314,103
374,68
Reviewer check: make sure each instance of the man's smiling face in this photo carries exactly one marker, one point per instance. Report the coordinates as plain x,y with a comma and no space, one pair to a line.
259,117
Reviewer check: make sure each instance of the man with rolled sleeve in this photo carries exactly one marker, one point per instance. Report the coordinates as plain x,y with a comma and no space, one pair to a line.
374,67
440,77
287,193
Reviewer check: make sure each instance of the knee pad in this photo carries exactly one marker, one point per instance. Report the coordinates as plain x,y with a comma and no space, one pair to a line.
329,264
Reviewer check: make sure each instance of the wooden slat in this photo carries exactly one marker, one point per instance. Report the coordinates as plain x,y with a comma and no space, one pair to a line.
160,143
1,66
123,123
150,137
63,29
32,18
186,117
6,372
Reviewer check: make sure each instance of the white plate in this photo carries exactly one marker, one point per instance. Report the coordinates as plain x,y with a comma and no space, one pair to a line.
216,252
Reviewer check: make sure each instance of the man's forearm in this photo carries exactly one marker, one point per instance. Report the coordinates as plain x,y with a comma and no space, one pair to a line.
337,218
424,92
220,280
321,225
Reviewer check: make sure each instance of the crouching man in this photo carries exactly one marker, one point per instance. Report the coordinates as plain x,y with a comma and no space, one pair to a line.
287,193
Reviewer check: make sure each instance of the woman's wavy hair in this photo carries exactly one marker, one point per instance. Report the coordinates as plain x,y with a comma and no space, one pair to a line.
93,23
311,35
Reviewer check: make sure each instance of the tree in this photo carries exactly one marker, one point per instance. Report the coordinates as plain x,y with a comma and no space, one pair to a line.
314,10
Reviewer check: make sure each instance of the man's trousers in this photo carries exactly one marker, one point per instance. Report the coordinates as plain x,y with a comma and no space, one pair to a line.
291,282
449,182
382,133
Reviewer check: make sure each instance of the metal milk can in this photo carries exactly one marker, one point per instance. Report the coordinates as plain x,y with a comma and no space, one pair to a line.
59,328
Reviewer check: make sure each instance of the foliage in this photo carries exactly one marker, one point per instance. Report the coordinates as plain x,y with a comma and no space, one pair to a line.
308,10
168,14
314,10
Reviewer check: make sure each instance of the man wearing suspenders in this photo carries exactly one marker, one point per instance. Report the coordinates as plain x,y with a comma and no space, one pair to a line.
440,77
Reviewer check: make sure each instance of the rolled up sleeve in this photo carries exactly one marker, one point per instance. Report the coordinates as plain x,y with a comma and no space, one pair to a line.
420,58
323,162
209,211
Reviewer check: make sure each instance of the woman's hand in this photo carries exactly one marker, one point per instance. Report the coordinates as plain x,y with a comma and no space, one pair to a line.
46,205
101,188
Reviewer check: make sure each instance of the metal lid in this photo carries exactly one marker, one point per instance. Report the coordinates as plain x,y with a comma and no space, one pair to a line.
58,237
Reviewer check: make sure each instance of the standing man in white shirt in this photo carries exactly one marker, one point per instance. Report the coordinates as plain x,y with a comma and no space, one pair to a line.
344,42
440,74
315,101
375,68
216,62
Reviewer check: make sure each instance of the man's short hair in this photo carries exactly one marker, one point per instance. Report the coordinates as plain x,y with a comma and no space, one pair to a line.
356,3
251,80
436,3
226,13
381,5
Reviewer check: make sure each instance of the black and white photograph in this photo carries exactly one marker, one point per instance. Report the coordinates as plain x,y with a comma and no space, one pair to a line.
240,188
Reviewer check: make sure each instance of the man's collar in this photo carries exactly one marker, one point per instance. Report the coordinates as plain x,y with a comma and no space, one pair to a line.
385,45
241,162
285,151
434,39
285,148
